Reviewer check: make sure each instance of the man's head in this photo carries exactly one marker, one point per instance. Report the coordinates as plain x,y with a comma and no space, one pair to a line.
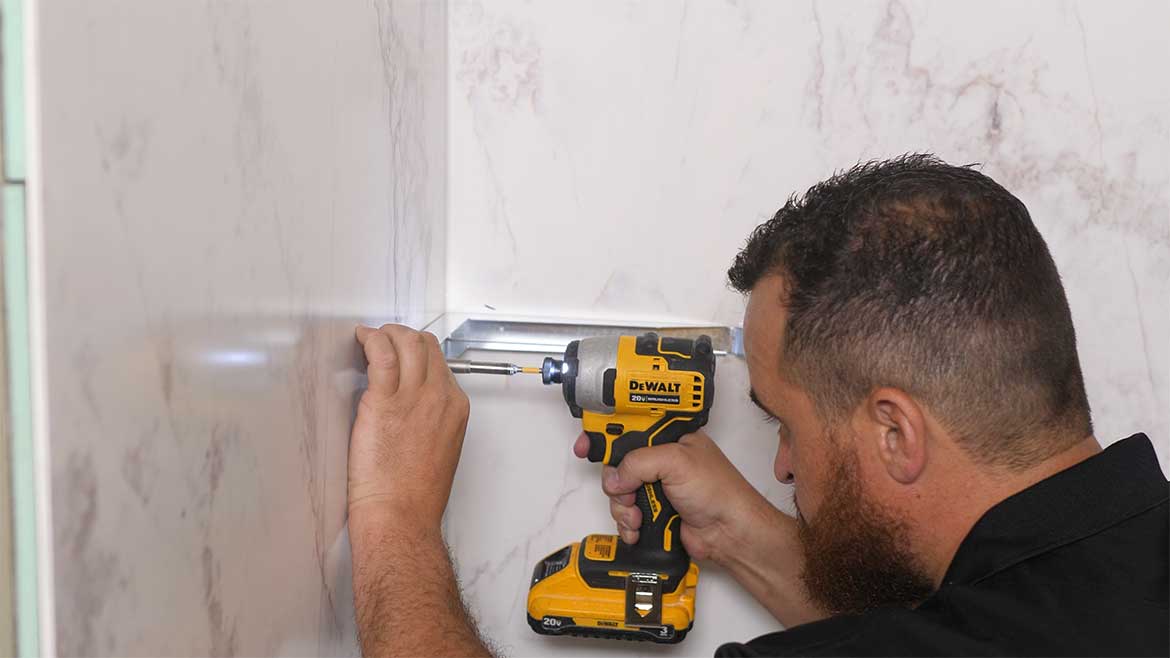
902,313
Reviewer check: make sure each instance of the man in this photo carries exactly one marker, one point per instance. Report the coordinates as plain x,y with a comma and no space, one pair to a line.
908,333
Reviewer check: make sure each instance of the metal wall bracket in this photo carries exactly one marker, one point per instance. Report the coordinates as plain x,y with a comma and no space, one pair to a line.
551,336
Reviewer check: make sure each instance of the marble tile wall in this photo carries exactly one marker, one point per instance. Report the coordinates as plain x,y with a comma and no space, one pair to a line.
228,187
608,159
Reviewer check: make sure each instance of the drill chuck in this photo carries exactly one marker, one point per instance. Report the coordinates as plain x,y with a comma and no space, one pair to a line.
552,370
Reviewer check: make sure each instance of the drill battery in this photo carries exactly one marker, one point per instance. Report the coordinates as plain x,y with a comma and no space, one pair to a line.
584,594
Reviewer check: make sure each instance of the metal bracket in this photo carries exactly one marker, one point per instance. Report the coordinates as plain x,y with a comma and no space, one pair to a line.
643,599
551,337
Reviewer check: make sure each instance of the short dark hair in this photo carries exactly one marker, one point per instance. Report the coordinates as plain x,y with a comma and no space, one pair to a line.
933,279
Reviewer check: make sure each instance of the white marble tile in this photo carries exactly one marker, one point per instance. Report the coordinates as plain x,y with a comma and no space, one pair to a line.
229,186
609,158
228,189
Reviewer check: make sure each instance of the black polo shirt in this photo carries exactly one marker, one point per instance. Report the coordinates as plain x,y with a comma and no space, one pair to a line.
1075,565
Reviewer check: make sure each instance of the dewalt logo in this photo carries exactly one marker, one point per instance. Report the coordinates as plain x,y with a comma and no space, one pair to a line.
654,387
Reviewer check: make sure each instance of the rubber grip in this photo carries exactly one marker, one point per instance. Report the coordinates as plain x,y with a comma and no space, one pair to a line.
659,535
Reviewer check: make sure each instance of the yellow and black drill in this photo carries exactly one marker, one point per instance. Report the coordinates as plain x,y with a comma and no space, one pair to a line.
630,392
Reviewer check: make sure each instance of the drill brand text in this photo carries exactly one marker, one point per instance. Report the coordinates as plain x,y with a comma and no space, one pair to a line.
655,387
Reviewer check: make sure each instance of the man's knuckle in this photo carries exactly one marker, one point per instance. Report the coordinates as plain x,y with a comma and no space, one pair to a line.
448,397
675,455
631,462
380,352
384,360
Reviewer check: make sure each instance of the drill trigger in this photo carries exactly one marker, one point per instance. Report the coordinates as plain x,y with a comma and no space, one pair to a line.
597,443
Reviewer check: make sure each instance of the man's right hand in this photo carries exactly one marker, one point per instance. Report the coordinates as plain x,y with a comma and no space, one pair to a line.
712,498
724,519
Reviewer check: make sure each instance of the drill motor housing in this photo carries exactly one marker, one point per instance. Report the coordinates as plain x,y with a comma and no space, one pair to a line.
629,392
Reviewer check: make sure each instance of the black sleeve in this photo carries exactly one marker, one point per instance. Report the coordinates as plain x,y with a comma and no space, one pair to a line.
826,637
735,650
882,632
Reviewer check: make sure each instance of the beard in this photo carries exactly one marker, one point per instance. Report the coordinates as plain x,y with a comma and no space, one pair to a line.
857,553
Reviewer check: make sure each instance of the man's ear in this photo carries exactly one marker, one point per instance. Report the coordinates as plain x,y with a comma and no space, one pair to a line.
897,423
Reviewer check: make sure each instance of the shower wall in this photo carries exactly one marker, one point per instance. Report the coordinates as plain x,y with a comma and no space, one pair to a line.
228,187
609,158
225,188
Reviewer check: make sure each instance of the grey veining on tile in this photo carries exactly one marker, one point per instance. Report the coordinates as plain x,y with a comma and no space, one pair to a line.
583,128
228,189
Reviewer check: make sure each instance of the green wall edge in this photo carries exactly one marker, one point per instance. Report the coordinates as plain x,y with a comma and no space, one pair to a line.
24,517
12,45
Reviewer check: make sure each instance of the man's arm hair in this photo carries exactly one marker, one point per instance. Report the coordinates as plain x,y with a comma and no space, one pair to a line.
406,597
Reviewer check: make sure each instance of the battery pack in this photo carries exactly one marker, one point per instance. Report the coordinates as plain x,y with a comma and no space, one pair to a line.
582,590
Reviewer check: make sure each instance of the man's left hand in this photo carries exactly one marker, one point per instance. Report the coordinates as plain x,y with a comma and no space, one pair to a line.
409,429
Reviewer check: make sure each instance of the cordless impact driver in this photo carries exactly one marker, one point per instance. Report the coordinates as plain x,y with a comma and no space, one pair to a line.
630,392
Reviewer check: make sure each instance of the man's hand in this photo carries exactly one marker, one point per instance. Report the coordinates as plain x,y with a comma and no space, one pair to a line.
402,456
410,425
723,519
712,498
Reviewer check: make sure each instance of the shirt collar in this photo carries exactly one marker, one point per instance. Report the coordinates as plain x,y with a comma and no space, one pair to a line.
1121,481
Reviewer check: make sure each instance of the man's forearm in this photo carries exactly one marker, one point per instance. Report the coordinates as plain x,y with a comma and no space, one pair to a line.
406,598
767,560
